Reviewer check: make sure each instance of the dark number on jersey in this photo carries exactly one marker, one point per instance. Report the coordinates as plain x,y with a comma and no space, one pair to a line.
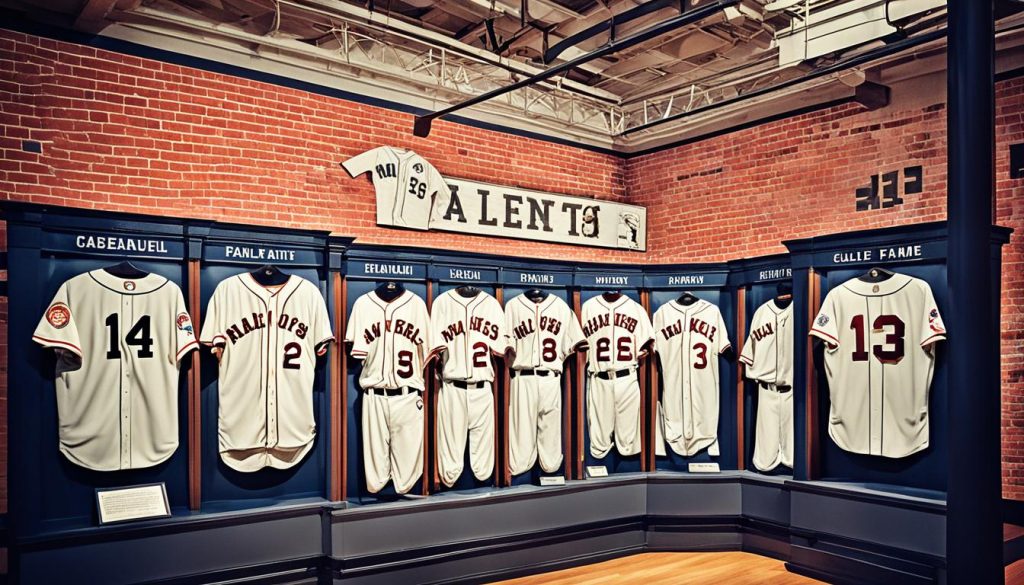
404,364
138,335
417,187
624,347
894,337
292,353
480,354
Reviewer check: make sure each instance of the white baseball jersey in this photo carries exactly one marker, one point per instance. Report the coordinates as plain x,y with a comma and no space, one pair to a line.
768,352
615,331
469,331
879,363
119,343
542,334
768,355
689,339
405,184
391,339
270,338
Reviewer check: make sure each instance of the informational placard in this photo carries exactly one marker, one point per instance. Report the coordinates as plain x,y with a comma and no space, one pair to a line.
552,480
597,471
704,468
494,210
139,502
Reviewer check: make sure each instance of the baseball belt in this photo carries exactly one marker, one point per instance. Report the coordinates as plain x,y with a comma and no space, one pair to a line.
774,388
466,385
613,375
393,391
532,372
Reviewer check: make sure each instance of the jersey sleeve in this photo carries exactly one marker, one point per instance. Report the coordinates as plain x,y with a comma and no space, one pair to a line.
323,333
824,326
747,355
58,329
723,339
644,329
361,163
932,329
437,187
436,342
356,323
657,322
572,336
184,335
212,332
426,351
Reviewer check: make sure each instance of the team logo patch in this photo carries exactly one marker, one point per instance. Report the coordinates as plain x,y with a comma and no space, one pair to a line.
822,320
417,167
129,285
58,315
419,403
184,323
935,322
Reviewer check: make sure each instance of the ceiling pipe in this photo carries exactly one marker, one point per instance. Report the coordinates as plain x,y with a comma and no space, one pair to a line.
421,126
836,67
616,20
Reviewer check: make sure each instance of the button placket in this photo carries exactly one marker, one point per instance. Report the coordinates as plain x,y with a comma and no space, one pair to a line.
125,397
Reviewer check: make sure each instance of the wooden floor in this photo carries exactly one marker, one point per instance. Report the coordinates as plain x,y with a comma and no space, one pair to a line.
735,568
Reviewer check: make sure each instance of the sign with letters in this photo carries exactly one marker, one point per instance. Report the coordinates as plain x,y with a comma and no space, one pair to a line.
482,209
260,254
386,270
137,502
112,244
680,280
882,254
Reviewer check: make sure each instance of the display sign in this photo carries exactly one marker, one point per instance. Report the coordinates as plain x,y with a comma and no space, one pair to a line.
132,503
597,471
386,270
255,254
493,210
470,274
608,280
552,480
109,244
682,280
530,278
881,254
704,468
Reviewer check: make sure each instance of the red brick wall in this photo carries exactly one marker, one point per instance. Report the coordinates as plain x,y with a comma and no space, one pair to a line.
128,134
742,194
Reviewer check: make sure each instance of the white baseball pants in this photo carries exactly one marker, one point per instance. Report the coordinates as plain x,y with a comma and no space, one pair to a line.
392,440
462,411
613,409
773,433
535,423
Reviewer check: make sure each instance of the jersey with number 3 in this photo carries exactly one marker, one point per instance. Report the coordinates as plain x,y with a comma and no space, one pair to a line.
879,361
405,184
542,334
270,337
391,339
616,332
119,343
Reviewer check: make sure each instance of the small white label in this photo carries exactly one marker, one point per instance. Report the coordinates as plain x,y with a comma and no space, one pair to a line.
704,468
552,480
132,503
597,471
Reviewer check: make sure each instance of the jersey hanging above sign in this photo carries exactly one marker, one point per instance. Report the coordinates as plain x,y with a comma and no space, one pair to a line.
405,184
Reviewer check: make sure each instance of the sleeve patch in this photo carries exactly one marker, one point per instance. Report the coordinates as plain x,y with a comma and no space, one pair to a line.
184,322
822,320
58,315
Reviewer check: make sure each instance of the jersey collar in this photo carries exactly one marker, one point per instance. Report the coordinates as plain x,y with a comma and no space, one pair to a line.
877,289
265,293
699,305
775,308
541,305
400,299
610,306
128,286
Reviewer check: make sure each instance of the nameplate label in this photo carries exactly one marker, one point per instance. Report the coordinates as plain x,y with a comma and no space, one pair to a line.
115,245
889,254
597,471
770,274
248,254
552,480
387,270
684,280
532,279
704,468
132,503
471,274
609,281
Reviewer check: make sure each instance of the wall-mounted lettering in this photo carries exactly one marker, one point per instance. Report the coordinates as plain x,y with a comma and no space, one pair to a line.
775,274
121,244
887,189
373,268
269,254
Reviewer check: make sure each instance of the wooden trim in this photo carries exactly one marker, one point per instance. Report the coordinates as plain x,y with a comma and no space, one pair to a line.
741,337
336,357
342,308
195,411
812,440
646,406
500,422
575,447
430,407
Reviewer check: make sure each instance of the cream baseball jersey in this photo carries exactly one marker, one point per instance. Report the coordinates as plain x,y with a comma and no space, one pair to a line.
405,184
542,334
879,362
469,330
391,339
768,352
615,332
270,338
688,340
120,343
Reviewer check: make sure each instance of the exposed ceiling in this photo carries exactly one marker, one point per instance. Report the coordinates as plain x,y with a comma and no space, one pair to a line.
431,54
